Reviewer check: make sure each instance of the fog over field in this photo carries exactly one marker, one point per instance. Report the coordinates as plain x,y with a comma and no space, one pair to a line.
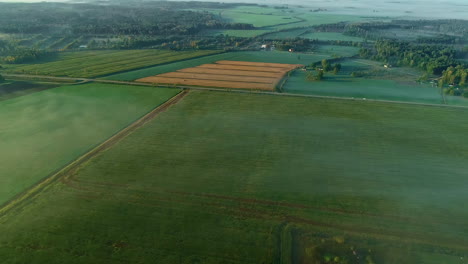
452,9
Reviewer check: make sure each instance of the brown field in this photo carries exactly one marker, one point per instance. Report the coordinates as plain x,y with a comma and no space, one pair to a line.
186,75
232,72
227,74
243,68
208,83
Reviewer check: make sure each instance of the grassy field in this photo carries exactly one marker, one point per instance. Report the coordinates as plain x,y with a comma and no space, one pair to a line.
330,36
235,33
396,84
242,178
259,17
293,33
338,51
98,63
12,89
253,56
42,132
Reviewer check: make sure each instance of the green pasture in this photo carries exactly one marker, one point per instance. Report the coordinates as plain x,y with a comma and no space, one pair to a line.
244,178
97,63
11,89
248,33
290,34
347,86
43,131
256,19
254,56
333,36
338,51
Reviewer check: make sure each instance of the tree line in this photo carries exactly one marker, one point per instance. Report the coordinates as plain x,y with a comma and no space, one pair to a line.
159,18
430,58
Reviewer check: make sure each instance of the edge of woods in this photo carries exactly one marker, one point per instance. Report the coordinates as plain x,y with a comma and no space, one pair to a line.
74,165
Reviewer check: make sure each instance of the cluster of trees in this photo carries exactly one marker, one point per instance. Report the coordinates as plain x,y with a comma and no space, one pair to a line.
153,18
455,78
12,53
430,58
326,66
379,30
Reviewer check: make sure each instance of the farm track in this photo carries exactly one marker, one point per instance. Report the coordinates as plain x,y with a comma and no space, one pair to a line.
27,195
85,80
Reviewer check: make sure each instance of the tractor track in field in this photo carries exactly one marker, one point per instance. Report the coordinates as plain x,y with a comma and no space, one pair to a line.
74,165
245,211
248,209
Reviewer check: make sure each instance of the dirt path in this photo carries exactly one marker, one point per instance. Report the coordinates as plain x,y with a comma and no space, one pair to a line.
70,168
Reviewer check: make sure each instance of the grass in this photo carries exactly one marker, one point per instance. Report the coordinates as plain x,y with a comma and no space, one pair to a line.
256,19
42,132
236,33
396,84
12,89
242,178
253,56
99,63
338,51
331,36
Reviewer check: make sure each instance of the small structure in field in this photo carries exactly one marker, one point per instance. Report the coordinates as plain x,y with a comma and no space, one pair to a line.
83,46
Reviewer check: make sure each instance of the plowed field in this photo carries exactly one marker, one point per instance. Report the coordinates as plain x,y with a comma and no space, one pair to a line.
227,74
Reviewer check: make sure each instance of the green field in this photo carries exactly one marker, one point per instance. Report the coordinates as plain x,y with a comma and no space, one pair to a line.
99,63
12,89
331,36
242,178
254,56
258,19
395,84
235,33
293,33
43,131
338,51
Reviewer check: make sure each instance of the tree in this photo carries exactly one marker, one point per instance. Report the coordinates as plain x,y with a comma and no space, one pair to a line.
336,68
326,65
1,79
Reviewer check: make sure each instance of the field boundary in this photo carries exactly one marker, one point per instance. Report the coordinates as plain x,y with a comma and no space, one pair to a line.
75,164
249,91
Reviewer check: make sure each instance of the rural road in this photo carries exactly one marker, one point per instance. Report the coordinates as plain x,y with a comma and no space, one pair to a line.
84,80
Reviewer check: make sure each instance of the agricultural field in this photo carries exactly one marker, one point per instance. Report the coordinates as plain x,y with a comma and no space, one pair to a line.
245,178
330,36
289,34
98,63
338,51
257,16
251,56
12,89
384,84
244,33
43,131
227,74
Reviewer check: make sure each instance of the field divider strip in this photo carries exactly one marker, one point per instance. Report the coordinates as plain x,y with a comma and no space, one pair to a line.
232,90
75,164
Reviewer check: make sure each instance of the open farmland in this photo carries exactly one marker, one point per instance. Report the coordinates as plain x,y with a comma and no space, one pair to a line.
12,89
99,63
227,74
243,178
250,56
43,131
